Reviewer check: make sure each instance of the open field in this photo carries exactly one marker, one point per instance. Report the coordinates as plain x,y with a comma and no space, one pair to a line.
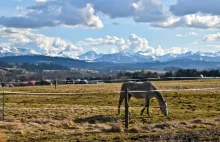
93,117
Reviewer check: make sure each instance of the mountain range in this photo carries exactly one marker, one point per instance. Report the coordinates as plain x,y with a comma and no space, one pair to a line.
140,57
116,61
108,66
120,57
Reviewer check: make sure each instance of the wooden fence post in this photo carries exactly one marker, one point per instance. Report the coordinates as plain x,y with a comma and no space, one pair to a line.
55,83
126,110
3,104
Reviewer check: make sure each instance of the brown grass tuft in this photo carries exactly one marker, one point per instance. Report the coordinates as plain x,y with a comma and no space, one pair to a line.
198,121
218,119
116,127
184,123
68,124
23,120
134,130
146,128
162,126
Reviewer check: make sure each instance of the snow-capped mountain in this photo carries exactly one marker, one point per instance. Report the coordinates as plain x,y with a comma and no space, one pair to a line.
120,57
123,57
170,56
116,57
90,55
146,56
14,51
201,56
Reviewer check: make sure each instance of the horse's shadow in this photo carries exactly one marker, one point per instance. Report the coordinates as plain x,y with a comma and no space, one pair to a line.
97,119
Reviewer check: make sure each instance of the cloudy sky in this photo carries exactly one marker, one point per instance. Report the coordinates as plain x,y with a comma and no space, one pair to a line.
109,26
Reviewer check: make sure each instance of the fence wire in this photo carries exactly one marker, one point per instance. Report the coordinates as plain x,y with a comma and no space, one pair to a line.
135,91
111,108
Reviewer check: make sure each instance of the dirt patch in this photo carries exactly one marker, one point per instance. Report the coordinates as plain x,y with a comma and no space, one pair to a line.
197,121
97,119
184,123
134,130
163,126
218,119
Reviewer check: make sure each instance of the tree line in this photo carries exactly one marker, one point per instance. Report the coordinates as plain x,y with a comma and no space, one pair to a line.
193,73
179,73
33,67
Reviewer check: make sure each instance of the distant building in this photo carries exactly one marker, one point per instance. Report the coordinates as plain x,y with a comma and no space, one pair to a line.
81,82
31,83
96,82
69,81
43,82
16,84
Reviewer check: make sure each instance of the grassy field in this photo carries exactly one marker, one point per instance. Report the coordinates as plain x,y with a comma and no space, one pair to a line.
93,116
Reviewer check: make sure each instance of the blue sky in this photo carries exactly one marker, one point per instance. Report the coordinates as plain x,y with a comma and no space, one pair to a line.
77,26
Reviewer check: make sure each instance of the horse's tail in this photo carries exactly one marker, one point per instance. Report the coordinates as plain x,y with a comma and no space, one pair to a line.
122,96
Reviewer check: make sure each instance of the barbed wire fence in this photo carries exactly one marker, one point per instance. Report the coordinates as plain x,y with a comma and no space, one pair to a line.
107,108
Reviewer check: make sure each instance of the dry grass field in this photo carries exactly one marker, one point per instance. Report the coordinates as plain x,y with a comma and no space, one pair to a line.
193,115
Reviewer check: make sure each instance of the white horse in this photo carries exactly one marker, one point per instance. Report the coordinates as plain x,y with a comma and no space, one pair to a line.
148,94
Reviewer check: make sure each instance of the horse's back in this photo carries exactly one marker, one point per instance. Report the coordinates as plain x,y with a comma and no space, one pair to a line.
137,86
134,86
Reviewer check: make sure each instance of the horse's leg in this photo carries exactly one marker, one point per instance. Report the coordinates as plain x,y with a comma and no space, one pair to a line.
142,111
120,102
146,106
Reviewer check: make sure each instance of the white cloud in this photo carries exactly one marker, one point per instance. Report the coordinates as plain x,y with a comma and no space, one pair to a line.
192,34
19,8
54,13
185,7
157,51
179,35
215,46
190,21
131,44
195,42
51,13
112,51
212,37
120,43
136,44
39,1
177,50
139,10
188,34
85,13
26,40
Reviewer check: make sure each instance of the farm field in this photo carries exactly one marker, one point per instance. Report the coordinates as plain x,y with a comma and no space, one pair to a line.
92,116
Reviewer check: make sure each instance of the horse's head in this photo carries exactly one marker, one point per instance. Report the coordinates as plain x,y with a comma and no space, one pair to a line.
163,108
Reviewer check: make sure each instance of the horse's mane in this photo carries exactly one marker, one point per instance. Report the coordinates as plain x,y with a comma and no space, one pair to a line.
158,93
